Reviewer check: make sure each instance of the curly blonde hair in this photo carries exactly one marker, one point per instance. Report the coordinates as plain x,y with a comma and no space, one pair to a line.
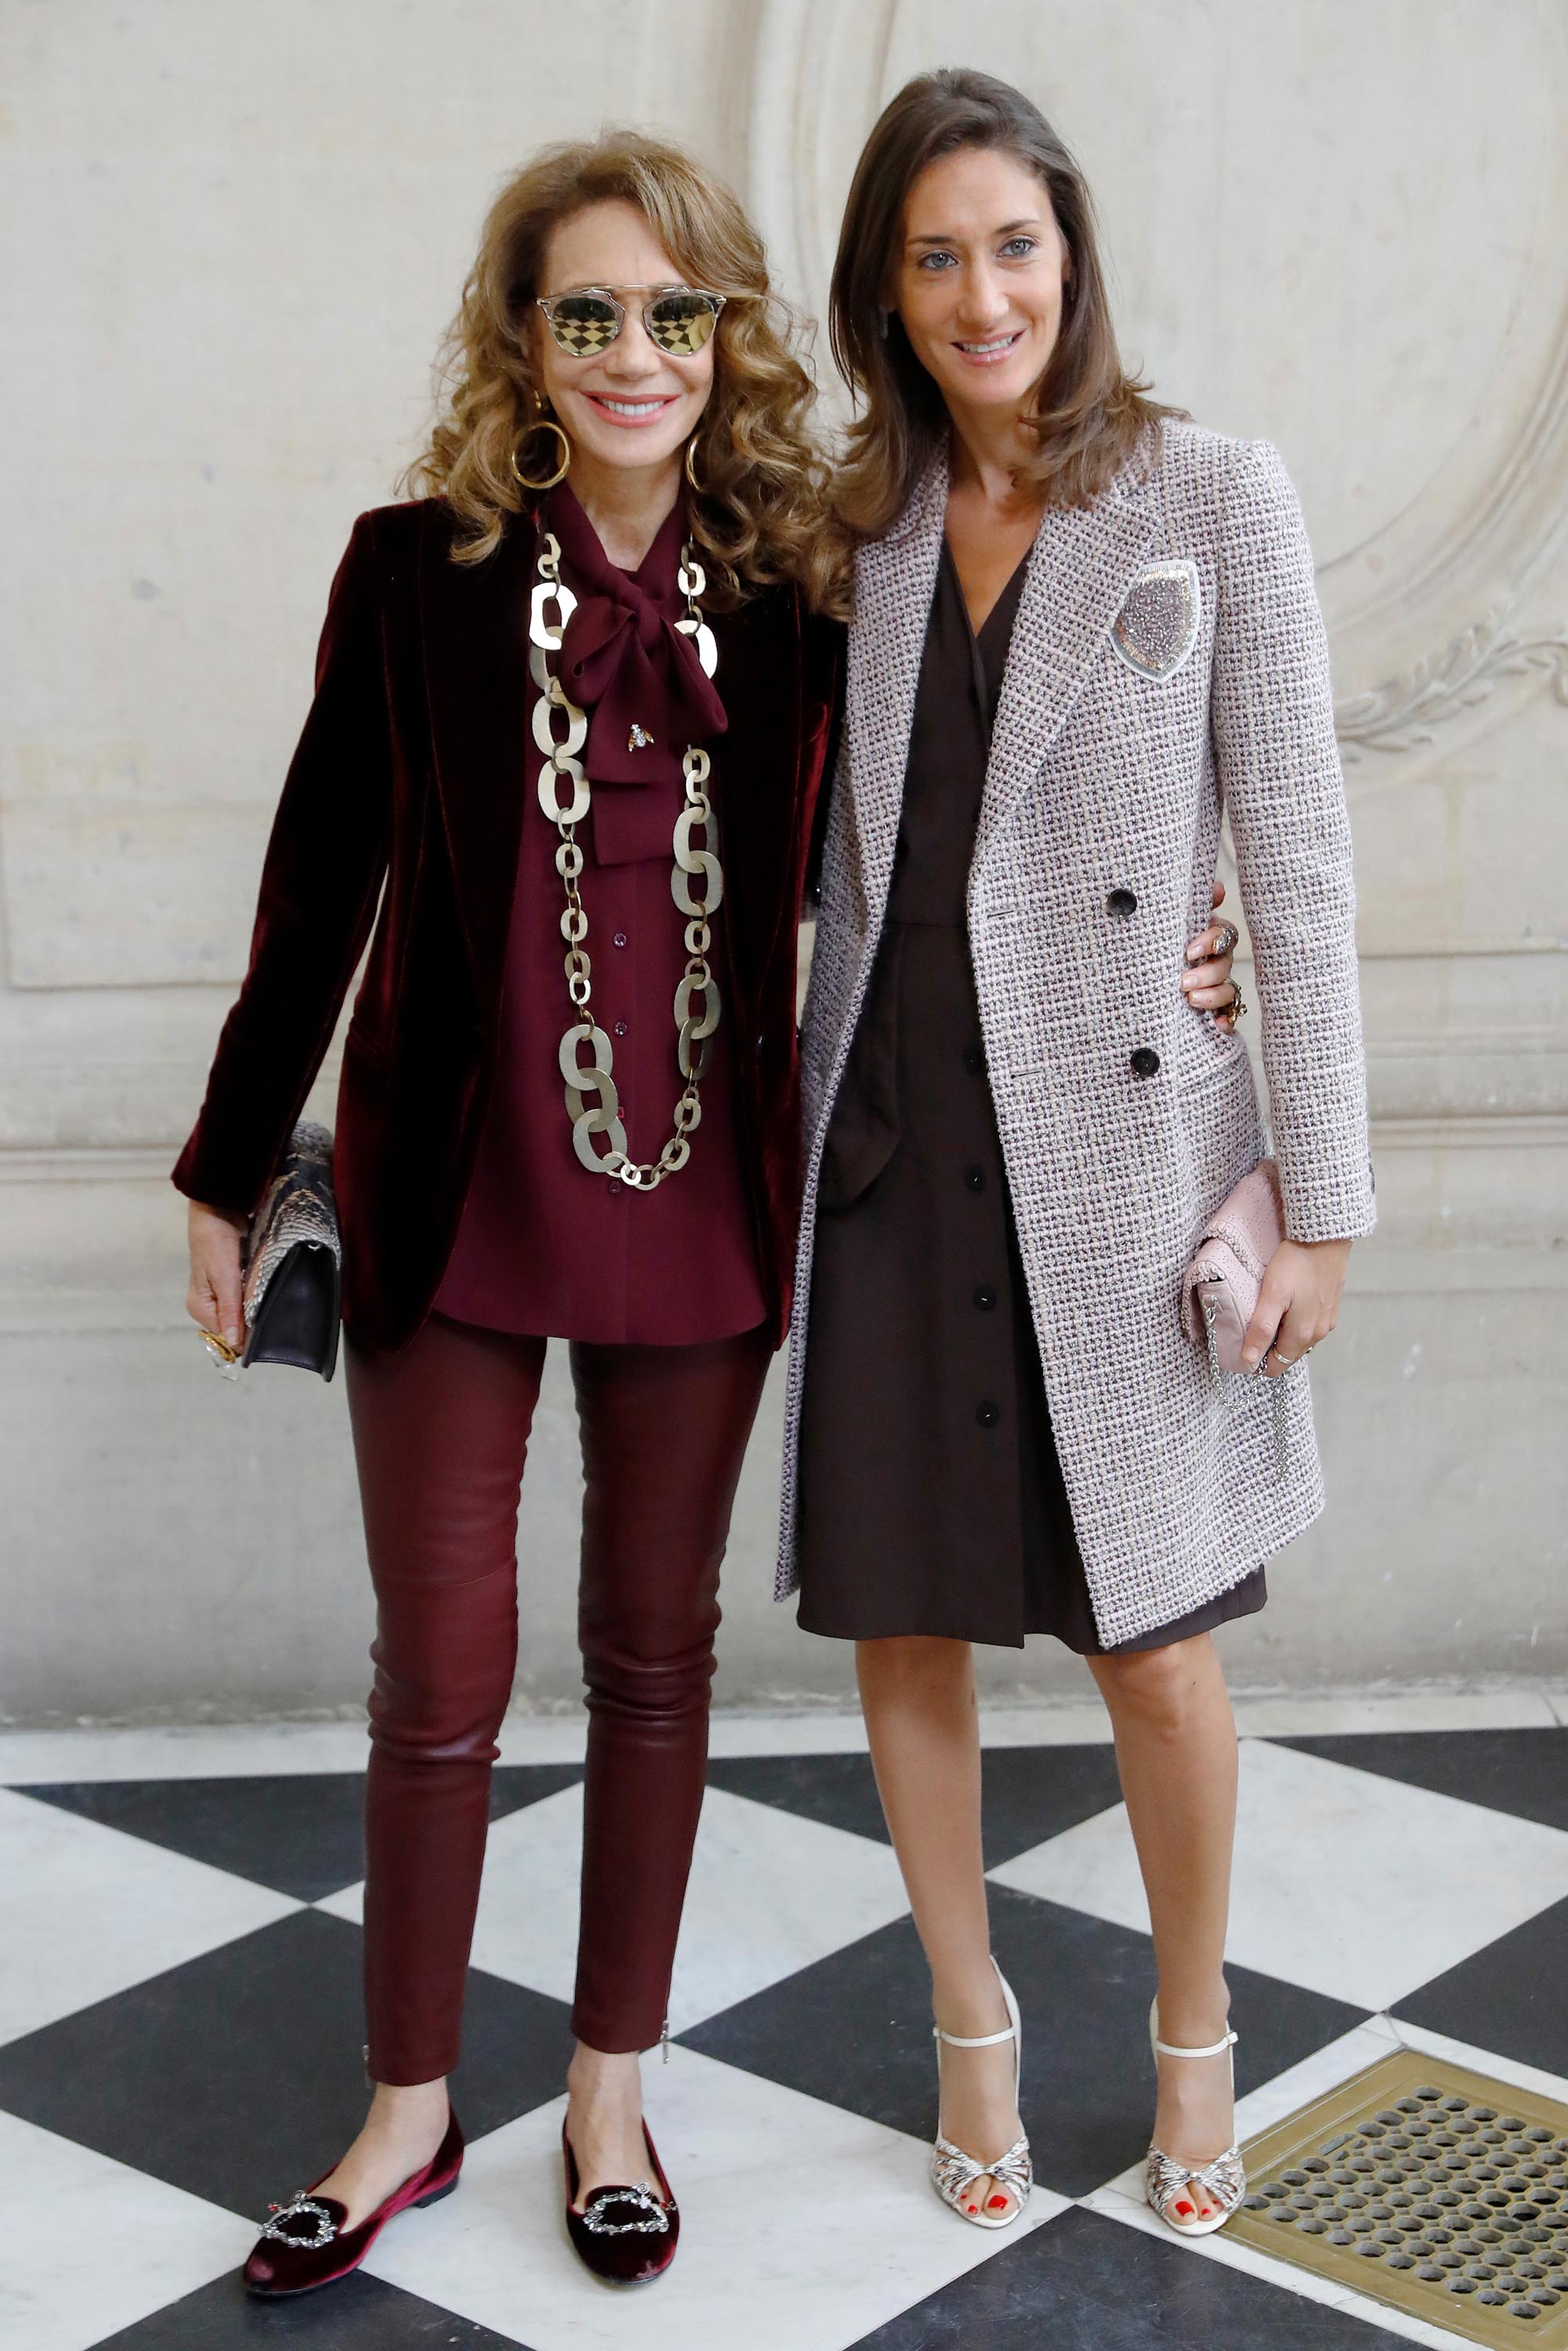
760,516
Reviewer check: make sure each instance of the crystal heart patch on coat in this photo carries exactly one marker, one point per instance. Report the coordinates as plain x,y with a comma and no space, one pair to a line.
1157,627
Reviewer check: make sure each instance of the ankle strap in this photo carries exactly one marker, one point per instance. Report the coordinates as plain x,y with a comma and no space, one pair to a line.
1215,2049
980,2041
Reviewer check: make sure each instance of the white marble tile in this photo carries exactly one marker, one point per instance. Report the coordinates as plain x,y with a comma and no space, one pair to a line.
181,1751
1329,1714
741,1732
92,2246
187,1751
770,1892
802,2227
1345,1882
1231,2253
85,1911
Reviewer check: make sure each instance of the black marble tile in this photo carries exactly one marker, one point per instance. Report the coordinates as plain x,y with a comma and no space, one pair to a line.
855,2029
299,1832
358,2314
1520,1771
239,2075
1027,1793
1508,1997
1081,2282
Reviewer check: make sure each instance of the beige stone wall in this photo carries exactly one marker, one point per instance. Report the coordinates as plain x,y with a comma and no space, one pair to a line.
231,237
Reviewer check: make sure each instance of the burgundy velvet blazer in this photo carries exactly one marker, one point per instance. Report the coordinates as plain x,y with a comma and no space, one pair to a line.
405,794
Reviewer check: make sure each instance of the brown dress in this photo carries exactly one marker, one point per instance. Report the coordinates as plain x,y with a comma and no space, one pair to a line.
931,1498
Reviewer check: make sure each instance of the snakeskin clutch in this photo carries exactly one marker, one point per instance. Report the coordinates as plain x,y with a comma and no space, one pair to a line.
1220,1288
293,1261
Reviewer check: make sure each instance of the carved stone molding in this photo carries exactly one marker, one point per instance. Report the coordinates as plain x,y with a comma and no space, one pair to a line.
1402,712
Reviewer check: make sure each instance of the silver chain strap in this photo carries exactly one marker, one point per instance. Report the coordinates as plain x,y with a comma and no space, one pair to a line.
592,1103
1280,1407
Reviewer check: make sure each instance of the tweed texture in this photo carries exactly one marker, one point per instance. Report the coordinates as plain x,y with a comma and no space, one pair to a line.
1102,779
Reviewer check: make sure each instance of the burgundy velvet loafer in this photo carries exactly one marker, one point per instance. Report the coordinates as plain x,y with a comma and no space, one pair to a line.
626,2236
305,2245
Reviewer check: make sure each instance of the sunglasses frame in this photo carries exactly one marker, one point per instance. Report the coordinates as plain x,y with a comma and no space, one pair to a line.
546,302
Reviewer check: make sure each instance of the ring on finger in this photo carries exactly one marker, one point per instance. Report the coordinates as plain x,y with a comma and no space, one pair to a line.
1225,938
1236,1008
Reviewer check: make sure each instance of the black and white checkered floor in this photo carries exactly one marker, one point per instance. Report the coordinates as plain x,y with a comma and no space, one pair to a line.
180,2031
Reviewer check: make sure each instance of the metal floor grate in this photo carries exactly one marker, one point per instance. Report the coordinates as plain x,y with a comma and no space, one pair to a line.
1427,2186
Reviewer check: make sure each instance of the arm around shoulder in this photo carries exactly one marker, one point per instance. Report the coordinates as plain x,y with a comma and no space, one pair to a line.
320,884
1277,762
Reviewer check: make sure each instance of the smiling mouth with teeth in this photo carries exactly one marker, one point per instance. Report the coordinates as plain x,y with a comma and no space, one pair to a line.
633,408
993,350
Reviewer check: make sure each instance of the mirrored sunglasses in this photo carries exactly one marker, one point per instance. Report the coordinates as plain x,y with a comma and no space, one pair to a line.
679,318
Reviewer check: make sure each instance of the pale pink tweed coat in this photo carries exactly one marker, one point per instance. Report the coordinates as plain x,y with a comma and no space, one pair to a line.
1102,779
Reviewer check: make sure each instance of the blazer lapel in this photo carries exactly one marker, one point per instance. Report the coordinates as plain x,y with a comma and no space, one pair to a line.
475,621
1079,571
896,577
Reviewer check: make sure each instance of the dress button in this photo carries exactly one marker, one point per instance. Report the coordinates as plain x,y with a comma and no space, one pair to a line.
1122,901
974,1060
975,1179
620,938
621,1028
985,1298
1145,1061
987,1414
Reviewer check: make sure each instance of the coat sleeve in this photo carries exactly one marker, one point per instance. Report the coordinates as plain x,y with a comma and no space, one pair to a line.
1277,761
319,886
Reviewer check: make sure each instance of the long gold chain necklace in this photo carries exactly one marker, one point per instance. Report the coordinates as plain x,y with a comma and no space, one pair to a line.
592,1103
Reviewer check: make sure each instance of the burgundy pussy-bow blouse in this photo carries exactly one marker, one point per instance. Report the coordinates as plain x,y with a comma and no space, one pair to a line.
544,1246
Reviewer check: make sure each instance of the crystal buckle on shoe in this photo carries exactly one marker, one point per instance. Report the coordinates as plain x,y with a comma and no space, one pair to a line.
640,2195
326,2227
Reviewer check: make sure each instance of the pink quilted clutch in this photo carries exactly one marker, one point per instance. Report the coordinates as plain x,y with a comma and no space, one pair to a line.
1220,1288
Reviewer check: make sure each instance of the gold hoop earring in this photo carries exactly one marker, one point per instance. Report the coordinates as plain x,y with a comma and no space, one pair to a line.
543,425
691,470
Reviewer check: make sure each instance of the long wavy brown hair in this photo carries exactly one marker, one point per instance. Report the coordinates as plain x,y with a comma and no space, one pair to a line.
760,513
1089,414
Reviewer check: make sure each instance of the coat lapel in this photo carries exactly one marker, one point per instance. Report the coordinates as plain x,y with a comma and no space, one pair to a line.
896,577
1079,572
474,621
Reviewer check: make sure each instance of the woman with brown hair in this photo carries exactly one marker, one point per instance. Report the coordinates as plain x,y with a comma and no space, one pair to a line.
622,501
1081,625
619,497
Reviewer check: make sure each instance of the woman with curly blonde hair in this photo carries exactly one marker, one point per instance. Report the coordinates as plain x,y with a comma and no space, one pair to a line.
619,501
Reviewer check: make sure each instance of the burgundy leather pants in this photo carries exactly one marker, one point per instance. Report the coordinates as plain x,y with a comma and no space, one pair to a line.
441,1434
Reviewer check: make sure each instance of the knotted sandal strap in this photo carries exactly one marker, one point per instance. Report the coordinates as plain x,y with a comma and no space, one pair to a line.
953,2173
1223,2178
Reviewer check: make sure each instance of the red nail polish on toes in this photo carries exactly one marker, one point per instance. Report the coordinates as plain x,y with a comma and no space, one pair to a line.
1184,2209
974,2208
996,2204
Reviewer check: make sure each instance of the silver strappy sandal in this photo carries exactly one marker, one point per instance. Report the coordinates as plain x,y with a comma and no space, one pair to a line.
1223,2178
953,2173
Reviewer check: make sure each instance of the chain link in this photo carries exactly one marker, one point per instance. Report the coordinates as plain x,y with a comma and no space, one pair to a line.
592,1103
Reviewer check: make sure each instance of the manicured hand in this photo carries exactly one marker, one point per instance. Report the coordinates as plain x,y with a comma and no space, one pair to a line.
1296,1305
212,1300
1207,982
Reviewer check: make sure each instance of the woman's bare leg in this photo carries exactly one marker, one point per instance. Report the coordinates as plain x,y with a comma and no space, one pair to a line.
918,1695
403,2130
1176,1751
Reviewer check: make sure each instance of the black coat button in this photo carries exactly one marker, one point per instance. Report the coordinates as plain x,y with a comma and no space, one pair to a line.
987,1414
985,1298
975,1179
1145,1061
1122,901
974,1060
